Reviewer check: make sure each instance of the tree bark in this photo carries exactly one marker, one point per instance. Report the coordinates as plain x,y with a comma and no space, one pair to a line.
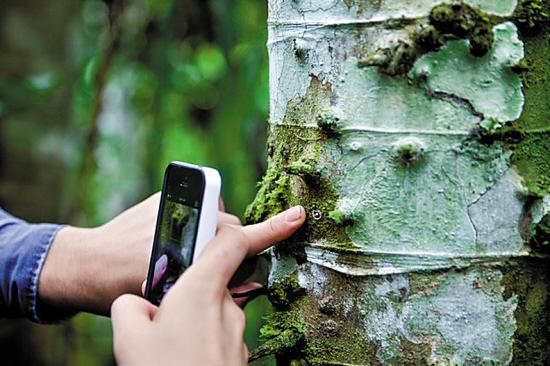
415,134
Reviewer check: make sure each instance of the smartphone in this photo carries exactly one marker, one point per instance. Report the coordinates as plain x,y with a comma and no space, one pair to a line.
186,222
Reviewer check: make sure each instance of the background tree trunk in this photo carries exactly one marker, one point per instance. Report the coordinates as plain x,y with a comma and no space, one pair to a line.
416,136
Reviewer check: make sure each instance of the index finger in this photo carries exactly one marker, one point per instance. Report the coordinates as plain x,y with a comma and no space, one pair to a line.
232,245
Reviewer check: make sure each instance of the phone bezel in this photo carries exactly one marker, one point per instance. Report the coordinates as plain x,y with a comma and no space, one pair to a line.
155,248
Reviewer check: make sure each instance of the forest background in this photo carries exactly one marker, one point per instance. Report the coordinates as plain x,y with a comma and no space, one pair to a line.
96,97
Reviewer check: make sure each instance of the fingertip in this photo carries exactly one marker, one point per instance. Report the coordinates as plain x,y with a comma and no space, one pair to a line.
295,215
288,221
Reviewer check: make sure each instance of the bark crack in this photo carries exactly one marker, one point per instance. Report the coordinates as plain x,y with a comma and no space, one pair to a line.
460,184
453,99
470,214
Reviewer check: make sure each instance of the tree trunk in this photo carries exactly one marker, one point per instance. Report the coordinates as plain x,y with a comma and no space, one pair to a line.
416,135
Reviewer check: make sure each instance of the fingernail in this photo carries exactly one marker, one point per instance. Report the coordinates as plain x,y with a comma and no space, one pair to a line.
293,214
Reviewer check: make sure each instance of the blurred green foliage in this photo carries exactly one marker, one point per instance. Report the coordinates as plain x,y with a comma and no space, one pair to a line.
96,97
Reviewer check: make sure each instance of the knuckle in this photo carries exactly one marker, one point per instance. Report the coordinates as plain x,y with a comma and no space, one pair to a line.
235,219
228,219
272,225
233,235
227,230
242,241
275,224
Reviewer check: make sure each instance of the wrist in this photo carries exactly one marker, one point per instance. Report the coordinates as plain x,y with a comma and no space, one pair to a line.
62,281
122,260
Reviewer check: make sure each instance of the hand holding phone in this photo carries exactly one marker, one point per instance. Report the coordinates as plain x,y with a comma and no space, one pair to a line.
186,222
187,327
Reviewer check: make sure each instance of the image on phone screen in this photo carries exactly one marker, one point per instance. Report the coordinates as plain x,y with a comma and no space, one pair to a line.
175,239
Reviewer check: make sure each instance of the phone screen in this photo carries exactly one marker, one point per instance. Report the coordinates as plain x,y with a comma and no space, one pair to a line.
176,230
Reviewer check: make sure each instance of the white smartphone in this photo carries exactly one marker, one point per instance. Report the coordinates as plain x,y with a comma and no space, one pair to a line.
186,222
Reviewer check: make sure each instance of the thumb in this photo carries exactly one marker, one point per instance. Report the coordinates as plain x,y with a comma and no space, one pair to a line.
232,245
274,229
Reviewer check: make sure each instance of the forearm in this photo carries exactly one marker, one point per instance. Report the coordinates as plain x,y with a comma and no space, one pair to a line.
86,269
48,273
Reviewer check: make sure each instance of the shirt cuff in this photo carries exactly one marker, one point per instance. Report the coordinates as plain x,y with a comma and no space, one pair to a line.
33,308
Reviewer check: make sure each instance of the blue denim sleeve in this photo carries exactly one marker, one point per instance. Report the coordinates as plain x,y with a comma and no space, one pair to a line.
23,249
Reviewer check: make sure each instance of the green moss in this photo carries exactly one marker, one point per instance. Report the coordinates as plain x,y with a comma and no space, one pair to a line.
283,292
529,281
341,218
409,152
289,325
346,344
283,333
521,67
271,197
532,153
481,40
536,84
428,37
329,124
460,20
536,299
531,15
331,339
305,168
532,159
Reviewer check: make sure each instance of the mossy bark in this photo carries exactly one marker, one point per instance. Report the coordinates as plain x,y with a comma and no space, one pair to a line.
416,137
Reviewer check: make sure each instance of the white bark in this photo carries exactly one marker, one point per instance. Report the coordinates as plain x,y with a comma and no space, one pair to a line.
453,213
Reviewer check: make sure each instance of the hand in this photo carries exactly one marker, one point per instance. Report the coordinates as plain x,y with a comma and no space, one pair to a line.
198,323
87,268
